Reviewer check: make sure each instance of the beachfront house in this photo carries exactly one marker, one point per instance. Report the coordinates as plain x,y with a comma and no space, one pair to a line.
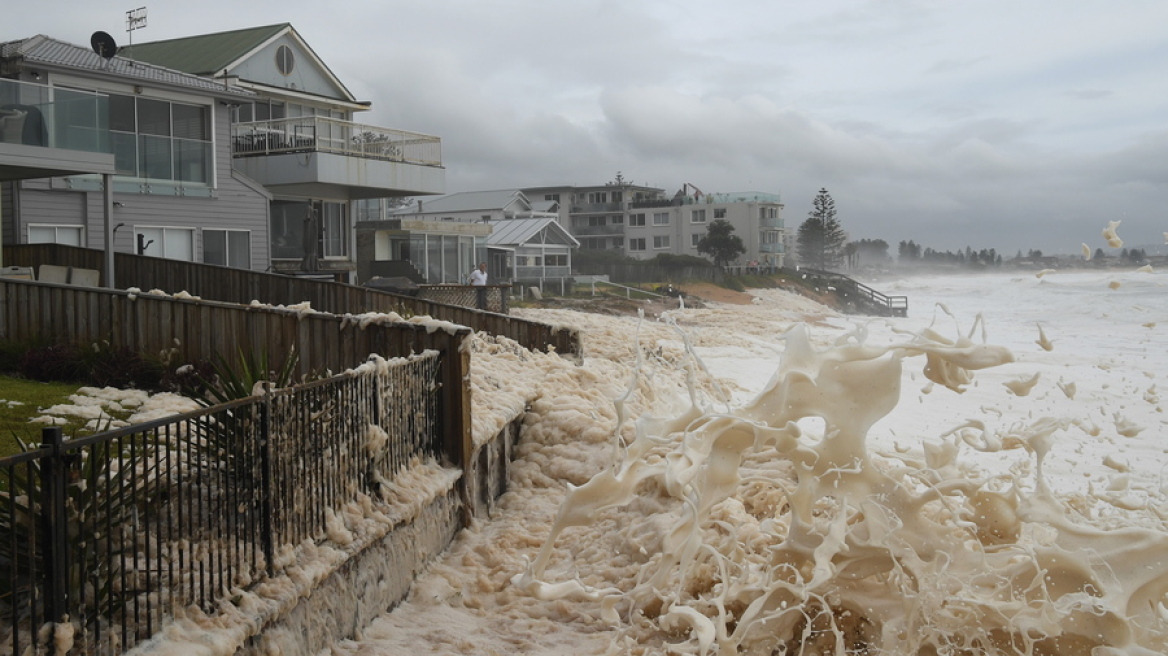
296,136
173,191
446,236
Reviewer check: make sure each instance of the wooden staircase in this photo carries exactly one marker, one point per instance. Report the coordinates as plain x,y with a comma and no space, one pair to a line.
854,297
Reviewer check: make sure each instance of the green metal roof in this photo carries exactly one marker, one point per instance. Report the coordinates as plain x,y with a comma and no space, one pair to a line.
207,54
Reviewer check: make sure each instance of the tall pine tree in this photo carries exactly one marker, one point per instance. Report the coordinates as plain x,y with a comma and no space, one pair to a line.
821,240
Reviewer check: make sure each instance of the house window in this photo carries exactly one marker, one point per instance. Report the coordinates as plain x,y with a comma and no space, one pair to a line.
694,239
637,220
660,218
285,60
617,220
171,243
556,260
334,230
637,244
595,221
55,234
555,197
160,140
661,241
227,247
719,212
290,218
697,216
598,197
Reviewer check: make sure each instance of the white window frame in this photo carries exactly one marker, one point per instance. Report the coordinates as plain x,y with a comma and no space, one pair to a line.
719,212
660,218
636,242
637,220
159,247
57,228
695,238
697,216
660,242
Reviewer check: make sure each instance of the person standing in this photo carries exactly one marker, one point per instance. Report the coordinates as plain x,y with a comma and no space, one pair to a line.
478,280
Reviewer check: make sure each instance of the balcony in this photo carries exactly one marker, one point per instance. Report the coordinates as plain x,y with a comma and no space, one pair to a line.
327,157
596,208
771,248
770,222
612,229
48,132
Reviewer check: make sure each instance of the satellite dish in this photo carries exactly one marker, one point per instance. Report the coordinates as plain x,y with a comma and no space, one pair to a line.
103,44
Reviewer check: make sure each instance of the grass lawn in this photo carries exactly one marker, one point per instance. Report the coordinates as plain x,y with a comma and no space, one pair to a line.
31,396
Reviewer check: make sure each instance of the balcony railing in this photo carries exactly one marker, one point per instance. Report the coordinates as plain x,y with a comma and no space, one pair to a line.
330,135
52,117
771,248
770,222
541,272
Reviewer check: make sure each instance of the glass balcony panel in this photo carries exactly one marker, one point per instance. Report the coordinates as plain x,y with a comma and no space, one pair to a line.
36,115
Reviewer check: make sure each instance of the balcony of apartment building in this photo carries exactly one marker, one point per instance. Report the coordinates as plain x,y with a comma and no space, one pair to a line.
772,222
48,132
607,230
771,248
326,157
597,208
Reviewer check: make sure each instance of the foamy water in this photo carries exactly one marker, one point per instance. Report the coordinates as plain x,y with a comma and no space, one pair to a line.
921,485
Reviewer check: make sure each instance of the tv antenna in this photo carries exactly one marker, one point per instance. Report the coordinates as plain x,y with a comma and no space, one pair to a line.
135,20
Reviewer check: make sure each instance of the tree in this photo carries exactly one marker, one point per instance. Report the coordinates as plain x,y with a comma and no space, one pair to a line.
721,243
821,239
867,251
908,251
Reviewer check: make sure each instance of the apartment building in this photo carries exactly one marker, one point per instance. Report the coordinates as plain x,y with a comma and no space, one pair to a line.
642,222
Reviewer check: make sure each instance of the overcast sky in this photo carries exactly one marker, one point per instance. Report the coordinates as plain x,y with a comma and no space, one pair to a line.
1011,124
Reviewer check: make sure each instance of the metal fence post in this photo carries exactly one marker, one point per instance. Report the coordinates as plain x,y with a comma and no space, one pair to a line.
54,473
266,524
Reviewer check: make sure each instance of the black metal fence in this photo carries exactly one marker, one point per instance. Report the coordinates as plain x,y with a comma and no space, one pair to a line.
115,531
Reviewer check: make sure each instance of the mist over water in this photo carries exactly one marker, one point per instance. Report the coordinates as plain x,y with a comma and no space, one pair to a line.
941,484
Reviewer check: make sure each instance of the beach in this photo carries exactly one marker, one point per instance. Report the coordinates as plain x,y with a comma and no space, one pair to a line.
775,476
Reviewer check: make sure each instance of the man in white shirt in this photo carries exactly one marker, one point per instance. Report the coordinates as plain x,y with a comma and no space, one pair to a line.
478,277
478,280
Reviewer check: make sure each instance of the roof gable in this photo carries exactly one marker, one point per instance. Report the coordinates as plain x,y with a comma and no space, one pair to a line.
253,56
521,232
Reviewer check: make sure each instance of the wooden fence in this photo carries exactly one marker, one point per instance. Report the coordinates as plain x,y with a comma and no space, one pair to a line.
196,330
243,286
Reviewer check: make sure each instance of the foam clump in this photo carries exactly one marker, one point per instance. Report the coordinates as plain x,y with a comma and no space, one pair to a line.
771,527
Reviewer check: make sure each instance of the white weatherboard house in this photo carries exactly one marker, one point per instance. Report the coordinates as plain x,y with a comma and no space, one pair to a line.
171,185
539,248
235,148
445,237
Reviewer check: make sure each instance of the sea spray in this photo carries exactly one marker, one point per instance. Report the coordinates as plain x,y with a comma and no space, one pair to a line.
758,534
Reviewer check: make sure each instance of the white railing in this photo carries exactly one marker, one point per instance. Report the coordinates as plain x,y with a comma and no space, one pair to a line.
330,135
